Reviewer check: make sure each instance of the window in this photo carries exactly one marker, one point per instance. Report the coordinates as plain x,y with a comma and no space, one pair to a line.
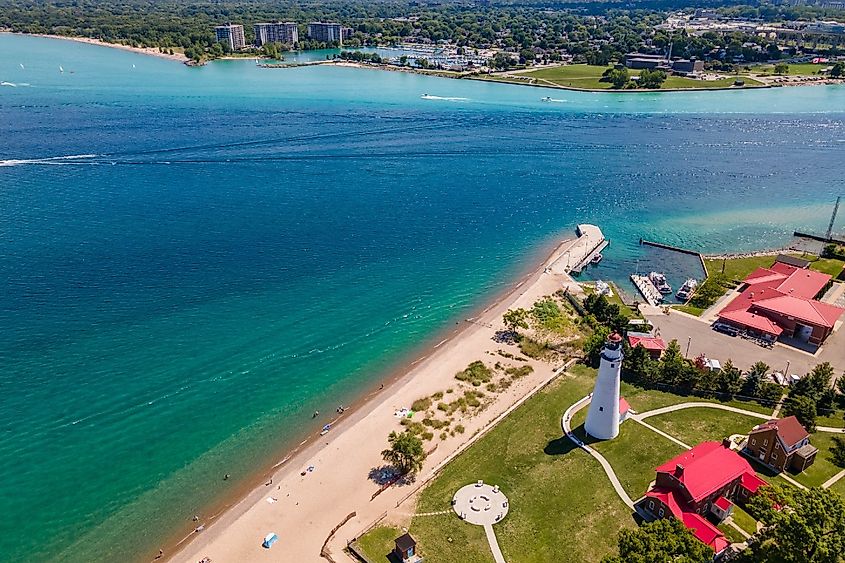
766,442
753,442
651,505
660,512
777,445
774,456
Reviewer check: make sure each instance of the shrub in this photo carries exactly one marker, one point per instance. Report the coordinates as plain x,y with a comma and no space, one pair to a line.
442,407
476,374
460,429
427,435
521,371
532,348
421,405
443,435
492,387
437,396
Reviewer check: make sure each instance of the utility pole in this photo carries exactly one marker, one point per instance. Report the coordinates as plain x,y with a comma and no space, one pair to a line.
833,218
689,341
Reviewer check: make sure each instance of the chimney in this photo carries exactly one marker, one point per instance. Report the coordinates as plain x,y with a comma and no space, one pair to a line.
679,470
726,443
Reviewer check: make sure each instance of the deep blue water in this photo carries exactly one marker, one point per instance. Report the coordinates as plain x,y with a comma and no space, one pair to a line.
248,245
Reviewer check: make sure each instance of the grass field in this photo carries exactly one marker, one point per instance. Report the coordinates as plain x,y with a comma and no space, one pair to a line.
689,309
739,268
642,400
795,69
560,499
695,425
377,544
823,468
588,77
744,520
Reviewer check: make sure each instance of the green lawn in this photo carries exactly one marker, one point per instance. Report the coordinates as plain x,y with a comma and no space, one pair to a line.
834,420
378,543
839,487
731,533
823,468
642,400
696,425
634,454
795,69
587,76
744,520
689,309
560,499
739,268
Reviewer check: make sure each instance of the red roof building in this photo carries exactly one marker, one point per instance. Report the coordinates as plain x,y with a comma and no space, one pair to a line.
781,300
701,485
653,344
782,444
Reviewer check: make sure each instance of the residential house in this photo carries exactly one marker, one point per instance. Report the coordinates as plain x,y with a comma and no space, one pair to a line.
782,444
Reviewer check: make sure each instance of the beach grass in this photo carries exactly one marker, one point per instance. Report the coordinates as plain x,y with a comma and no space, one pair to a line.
695,425
560,499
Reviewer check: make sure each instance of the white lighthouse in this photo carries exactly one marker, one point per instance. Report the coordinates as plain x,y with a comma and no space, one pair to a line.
603,416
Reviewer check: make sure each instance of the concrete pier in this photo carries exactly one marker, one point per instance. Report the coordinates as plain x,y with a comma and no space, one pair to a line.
590,241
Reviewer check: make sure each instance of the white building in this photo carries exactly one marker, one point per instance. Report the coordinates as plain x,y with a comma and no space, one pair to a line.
232,35
278,32
605,414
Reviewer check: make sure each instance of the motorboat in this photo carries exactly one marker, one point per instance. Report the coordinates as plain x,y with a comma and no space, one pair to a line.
687,289
659,281
546,99
596,259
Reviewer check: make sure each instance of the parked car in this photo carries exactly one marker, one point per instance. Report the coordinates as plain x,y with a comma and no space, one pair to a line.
725,329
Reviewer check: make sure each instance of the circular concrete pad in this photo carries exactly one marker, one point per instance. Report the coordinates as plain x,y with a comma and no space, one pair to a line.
480,504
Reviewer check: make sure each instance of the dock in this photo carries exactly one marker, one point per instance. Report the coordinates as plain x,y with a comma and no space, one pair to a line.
677,249
647,289
590,242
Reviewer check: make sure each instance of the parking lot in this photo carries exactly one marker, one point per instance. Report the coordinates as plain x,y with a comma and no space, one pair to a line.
743,353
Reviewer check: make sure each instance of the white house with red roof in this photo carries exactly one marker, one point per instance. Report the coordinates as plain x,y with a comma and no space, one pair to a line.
699,487
783,301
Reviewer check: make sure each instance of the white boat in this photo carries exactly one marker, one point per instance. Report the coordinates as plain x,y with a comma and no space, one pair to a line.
687,289
659,281
603,288
546,99
596,259
61,69
647,289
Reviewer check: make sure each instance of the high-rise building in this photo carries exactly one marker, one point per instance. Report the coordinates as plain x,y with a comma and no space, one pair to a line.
603,416
232,35
279,32
326,32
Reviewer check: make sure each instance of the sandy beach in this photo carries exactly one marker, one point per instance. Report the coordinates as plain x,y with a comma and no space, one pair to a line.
151,51
304,509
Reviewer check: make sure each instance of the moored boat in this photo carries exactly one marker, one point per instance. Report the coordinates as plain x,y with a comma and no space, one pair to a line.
596,259
687,289
659,281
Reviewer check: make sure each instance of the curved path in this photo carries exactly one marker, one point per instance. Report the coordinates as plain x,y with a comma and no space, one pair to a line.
565,425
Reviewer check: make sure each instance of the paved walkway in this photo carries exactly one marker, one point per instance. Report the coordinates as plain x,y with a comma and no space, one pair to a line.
661,432
833,479
494,543
608,469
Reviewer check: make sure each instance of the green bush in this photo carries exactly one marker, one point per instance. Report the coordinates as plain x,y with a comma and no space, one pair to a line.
476,374
421,405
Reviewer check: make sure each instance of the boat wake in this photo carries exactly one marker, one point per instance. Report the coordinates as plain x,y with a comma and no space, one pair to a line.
444,98
49,160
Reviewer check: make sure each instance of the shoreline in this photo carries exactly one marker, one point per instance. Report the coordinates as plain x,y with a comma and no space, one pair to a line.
149,51
223,533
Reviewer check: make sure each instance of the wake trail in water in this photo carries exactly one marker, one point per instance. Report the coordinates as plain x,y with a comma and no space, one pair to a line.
444,98
50,160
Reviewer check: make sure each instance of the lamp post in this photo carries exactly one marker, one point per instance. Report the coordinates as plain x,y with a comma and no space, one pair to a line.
689,341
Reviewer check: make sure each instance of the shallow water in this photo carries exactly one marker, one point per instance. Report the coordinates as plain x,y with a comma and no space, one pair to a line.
232,248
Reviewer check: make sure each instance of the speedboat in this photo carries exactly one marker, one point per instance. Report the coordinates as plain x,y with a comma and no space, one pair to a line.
659,281
687,289
596,259
546,99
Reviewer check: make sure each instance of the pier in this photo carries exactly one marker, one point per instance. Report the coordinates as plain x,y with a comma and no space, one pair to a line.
590,242
677,249
647,289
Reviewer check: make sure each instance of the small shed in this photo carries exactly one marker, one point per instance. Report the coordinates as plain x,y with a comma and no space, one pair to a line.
406,548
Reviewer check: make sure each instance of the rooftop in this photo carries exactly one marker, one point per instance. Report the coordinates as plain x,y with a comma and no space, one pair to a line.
789,430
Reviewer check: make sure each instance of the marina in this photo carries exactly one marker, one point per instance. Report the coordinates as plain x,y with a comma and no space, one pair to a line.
647,289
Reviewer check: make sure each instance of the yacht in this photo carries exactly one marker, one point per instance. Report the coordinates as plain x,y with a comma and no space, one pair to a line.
659,281
687,289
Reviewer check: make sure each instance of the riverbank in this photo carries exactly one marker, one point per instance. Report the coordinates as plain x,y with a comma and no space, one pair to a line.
303,507
150,51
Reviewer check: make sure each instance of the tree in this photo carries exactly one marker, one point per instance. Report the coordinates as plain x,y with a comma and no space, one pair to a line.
729,379
672,364
502,61
515,319
837,451
781,68
754,378
658,542
406,452
594,343
652,79
526,56
803,408
639,364
618,77
801,525
838,70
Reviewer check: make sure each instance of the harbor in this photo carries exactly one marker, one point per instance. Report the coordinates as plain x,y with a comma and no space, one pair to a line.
585,250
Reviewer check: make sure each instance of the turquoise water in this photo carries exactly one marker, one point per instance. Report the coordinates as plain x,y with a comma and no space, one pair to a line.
247,245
